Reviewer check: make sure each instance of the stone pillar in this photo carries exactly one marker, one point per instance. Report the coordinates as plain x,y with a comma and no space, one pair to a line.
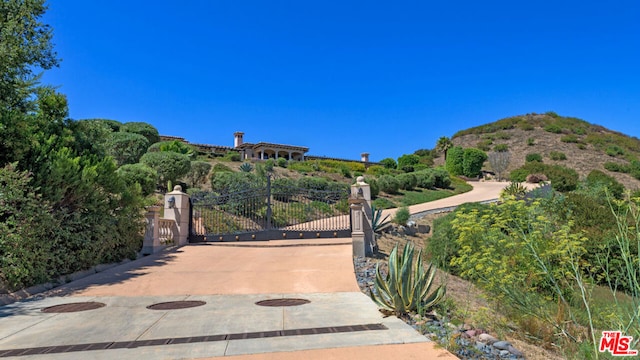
362,191
357,230
176,207
151,242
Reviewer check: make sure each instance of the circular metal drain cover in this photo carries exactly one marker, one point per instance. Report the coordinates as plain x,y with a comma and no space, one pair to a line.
175,305
73,307
283,302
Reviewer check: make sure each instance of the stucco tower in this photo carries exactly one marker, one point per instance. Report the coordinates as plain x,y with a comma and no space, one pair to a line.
237,138
364,157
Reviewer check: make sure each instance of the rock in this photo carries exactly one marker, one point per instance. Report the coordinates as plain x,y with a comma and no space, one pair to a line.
411,224
480,346
504,353
502,345
486,338
402,230
515,351
470,333
424,229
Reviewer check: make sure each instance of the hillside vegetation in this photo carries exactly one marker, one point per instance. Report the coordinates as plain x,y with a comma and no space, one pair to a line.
559,140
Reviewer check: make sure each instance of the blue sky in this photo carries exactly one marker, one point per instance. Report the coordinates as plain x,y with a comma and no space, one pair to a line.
344,77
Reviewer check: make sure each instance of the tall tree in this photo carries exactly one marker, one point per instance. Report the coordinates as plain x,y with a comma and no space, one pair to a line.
443,145
25,47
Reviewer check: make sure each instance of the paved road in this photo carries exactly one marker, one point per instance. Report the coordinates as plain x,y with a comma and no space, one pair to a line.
227,279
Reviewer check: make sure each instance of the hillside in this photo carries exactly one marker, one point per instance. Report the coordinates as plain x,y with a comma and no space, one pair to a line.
586,146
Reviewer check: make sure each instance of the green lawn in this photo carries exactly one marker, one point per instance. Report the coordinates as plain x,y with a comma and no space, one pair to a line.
420,196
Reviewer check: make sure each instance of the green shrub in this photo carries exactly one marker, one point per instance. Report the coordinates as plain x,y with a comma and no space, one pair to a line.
344,170
531,141
407,181
443,180
533,239
472,162
484,145
114,125
169,165
519,175
139,174
389,163
141,128
377,170
442,245
388,184
614,150
301,166
533,157
199,172
598,178
313,183
425,179
579,130
26,241
126,148
224,182
617,167
526,126
503,135
553,128
557,155
569,138
455,157
406,162
407,286
501,148
402,216
232,156
283,189
173,145
281,162
562,179
373,185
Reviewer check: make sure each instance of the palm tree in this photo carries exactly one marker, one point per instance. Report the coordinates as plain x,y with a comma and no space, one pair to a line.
443,145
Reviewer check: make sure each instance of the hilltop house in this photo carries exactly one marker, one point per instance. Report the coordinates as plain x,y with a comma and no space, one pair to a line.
262,150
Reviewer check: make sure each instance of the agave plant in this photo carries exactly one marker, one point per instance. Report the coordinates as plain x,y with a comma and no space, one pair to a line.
246,167
514,189
406,288
377,222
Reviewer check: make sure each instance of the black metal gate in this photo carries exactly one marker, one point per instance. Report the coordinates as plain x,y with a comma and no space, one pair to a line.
270,212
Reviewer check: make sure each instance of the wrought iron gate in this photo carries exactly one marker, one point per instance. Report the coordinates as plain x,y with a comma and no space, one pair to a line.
270,212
